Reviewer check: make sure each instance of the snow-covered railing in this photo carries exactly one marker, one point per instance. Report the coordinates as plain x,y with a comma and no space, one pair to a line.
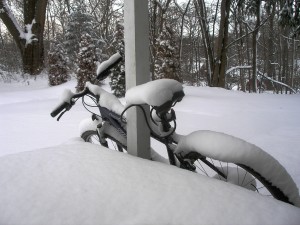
238,67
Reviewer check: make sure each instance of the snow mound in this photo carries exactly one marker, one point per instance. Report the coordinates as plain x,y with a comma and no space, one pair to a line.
227,148
81,183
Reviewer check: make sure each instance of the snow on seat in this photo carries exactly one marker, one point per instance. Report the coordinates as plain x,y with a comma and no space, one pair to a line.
155,93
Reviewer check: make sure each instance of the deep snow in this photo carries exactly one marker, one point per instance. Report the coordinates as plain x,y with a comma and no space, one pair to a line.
80,183
266,120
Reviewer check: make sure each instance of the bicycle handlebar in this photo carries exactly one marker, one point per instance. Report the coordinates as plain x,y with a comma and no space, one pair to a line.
104,68
68,102
60,108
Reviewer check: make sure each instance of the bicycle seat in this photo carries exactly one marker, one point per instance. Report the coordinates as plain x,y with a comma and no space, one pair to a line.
161,94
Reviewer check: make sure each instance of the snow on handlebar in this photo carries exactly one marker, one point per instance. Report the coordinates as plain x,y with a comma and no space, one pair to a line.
106,99
103,69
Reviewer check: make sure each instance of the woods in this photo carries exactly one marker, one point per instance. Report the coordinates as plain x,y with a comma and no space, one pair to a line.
249,45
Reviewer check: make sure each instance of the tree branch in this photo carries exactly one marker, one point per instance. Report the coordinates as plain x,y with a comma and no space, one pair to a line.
11,23
245,35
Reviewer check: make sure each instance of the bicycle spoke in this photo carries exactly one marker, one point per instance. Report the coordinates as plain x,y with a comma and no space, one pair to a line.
221,167
250,182
114,145
203,170
244,178
237,168
220,178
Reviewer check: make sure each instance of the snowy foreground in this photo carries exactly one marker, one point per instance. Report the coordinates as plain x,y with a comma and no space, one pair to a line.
78,183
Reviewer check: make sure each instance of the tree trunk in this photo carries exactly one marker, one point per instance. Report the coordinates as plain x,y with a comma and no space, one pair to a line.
218,79
202,16
254,47
270,43
241,47
30,39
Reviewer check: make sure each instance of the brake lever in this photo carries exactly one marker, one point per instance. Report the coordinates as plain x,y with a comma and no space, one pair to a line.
61,114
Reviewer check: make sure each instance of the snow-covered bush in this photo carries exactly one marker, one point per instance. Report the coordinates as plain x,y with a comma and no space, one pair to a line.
79,22
166,63
117,82
86,61
58,71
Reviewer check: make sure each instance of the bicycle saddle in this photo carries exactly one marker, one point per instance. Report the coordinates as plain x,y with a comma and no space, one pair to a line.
161,94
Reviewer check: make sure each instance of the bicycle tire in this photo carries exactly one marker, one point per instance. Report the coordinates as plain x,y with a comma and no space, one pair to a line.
247,178
245,163
91,136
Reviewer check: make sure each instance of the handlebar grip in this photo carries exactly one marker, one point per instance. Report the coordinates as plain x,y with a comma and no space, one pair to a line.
59,108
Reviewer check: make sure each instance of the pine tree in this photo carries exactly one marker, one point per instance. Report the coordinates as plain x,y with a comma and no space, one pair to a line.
58,71
166,63
79,22
117,82
86,61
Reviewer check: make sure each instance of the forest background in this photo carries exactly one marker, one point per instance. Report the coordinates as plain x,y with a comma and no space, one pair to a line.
249,45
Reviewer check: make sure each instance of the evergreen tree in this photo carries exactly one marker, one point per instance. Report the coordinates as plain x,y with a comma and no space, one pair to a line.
86,61
117,82
58,71
79,22
166,63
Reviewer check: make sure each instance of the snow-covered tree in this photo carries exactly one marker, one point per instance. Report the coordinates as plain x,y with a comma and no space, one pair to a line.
167,56
80,22
117,82
58,71
86,61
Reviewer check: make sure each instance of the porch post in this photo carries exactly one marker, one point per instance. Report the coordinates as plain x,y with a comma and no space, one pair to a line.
137,72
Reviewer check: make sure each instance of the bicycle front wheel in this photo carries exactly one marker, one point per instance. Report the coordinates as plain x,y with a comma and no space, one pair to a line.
92,136
236,174
236,161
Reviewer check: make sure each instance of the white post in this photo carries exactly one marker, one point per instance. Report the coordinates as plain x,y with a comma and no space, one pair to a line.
137,72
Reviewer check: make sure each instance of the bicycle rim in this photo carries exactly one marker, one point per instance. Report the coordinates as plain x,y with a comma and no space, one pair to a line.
239,175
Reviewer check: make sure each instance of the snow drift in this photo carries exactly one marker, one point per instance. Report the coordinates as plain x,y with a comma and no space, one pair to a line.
81,183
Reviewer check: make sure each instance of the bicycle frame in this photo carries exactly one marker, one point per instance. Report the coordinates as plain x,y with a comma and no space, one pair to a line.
118,123
112,119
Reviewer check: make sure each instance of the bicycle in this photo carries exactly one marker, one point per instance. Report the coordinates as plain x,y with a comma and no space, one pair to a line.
210,153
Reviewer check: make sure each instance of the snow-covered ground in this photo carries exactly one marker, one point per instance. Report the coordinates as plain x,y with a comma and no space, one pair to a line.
78,183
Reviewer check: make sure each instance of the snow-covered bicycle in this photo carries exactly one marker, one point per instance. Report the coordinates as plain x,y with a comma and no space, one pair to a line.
213,154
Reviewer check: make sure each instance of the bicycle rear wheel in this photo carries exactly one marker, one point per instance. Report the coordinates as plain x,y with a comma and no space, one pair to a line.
92,136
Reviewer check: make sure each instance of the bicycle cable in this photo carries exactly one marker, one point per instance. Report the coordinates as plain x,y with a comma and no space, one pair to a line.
85,105
151,117
147,122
